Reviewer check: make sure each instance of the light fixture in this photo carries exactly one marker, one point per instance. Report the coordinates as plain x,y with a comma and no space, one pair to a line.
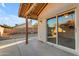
40,21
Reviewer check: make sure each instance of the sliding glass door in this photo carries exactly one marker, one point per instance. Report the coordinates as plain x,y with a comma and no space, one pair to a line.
51,26
65,30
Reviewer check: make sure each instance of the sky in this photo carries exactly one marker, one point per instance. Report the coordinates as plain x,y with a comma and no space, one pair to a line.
9,14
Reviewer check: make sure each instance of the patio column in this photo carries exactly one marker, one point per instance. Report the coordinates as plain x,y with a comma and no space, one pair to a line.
26,30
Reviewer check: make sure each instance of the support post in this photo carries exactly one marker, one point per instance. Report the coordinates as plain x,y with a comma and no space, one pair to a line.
26,30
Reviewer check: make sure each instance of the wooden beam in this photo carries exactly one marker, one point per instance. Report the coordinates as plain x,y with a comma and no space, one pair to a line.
26,8
19,12
26,30
41,9
31,8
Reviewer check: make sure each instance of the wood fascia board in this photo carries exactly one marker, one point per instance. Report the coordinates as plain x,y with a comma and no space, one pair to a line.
19,12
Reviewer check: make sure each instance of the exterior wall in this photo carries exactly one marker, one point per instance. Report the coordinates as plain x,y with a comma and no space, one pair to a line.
1,31
21,26
42,34
7,32
51,10
77,29
21,29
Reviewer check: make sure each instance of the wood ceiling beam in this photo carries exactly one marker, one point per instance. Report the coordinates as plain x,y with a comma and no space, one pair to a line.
34,14
24,7
31,8
40,10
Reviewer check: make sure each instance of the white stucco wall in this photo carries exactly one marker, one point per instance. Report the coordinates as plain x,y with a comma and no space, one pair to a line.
77,29
42,34
51,10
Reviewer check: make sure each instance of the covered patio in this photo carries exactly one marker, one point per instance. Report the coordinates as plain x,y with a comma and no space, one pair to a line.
34,48
30,11
48,11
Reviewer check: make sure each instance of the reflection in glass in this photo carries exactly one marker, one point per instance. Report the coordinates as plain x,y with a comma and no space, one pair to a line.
66,30
51,30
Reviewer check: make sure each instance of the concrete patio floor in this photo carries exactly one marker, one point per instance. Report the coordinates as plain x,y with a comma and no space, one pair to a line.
34,48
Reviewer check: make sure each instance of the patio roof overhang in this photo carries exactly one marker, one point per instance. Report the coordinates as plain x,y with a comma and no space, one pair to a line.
31,10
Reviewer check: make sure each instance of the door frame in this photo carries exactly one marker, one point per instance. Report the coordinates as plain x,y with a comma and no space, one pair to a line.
57,45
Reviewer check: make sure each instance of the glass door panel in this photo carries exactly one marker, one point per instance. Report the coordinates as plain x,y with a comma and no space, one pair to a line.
51,26
66,30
